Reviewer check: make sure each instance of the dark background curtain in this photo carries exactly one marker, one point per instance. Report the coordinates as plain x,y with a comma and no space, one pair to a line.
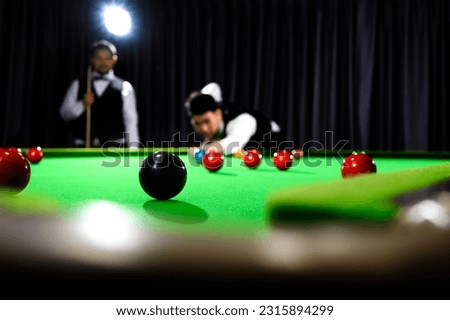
373,72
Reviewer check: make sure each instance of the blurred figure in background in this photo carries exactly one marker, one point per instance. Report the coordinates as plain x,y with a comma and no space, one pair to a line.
228,128
112,100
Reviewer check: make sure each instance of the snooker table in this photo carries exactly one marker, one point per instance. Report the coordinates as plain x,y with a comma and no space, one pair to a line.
84,223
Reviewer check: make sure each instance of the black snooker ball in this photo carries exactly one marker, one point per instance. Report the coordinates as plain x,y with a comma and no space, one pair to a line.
162,175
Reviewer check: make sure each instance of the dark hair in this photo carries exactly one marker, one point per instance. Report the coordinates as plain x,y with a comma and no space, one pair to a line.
200,104
102,44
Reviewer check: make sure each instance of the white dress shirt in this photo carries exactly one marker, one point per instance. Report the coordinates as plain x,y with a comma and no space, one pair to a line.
239,131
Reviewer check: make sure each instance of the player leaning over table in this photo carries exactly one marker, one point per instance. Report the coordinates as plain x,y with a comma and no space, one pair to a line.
114,117
233,129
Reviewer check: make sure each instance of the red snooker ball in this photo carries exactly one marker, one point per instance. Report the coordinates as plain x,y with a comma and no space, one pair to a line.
35,154
252,158
357,164
15,171
213,161
283,160
14,150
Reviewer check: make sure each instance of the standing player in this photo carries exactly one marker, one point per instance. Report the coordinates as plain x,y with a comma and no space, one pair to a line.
113,115
229,129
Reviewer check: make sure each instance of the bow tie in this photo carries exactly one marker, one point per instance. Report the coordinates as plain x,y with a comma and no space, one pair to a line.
101,78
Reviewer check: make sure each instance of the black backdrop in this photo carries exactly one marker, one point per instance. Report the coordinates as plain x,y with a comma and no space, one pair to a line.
373,72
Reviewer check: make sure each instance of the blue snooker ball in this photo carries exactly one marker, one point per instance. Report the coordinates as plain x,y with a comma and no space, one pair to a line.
199,155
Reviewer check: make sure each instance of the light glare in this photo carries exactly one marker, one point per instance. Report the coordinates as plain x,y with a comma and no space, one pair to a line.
107,224
117,20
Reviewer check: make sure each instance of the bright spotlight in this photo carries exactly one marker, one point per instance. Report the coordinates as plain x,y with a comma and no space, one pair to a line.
117,20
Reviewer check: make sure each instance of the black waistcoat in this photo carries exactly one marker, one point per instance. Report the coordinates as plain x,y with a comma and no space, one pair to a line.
263,137
106,113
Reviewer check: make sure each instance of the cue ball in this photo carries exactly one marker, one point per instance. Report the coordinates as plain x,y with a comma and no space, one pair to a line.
35,154
283,160
162,175
15,171
357,164
252,158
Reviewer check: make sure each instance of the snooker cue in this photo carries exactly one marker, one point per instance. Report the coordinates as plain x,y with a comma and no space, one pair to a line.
88,109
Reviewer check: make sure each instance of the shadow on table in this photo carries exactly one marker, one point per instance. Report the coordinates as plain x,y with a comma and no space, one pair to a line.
176,211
